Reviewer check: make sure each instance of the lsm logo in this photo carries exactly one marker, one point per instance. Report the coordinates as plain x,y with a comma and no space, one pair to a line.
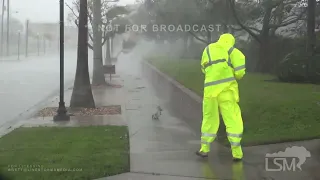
289,160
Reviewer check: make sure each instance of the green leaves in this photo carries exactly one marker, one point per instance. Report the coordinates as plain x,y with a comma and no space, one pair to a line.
121,24
116,11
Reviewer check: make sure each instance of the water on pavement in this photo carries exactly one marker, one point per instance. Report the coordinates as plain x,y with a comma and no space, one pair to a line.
26,83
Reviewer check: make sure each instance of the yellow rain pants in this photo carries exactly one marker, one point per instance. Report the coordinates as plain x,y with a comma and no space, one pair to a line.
227,102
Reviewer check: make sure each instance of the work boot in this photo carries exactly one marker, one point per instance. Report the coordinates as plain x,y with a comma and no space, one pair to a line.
237,159
202,154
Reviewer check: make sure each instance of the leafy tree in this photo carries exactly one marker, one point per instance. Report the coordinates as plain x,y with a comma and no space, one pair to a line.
104,22
100,15
270,15
202,13
98,74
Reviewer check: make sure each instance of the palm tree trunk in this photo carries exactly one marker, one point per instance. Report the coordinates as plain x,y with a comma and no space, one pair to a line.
98,74
108,53
82,92
111,46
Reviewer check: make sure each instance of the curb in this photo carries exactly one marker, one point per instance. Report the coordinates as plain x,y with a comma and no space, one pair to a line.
185,90
183,103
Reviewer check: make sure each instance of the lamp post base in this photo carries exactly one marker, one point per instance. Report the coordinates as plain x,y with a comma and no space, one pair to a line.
61,117
61,113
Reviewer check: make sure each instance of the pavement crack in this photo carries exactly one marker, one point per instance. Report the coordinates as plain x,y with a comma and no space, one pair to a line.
173,175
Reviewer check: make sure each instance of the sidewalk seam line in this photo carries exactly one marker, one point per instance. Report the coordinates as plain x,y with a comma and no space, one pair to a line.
160,174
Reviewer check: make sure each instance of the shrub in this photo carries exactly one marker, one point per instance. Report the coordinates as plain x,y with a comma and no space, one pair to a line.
279,48
293,67
299,66
194,51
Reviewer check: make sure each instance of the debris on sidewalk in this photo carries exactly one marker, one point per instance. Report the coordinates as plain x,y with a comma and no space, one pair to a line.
156,115
98,85
141,87
106,85
115,85
105,110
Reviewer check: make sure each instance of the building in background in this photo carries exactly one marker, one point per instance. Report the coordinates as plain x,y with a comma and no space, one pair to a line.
51,32
71,35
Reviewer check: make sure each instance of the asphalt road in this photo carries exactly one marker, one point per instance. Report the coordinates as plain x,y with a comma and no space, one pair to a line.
25,83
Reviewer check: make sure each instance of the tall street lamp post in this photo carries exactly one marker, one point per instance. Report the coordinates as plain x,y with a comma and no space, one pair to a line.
62,110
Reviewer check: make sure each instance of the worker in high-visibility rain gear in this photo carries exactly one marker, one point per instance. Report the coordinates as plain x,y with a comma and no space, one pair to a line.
222,65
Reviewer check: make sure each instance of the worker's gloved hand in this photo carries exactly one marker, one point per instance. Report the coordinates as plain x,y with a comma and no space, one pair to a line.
238,77
239,74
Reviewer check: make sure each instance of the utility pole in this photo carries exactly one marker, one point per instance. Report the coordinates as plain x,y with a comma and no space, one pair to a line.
27,37
38,43
19,36
8,26
2,18
44,45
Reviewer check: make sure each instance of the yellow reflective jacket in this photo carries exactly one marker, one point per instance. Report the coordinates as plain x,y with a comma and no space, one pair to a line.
222,64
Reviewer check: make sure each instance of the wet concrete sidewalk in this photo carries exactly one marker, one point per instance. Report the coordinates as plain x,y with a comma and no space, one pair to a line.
165,148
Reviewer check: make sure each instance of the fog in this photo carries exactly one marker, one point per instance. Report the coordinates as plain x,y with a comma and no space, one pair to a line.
27,82
29,61
43,10
168,49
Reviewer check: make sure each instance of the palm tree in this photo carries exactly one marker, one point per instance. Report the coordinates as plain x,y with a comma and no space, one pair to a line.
82,92
98,74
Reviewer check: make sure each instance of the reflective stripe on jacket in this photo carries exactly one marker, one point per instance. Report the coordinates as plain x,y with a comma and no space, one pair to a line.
238,61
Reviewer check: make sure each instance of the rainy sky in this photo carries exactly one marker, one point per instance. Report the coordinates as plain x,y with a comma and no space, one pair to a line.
42,10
